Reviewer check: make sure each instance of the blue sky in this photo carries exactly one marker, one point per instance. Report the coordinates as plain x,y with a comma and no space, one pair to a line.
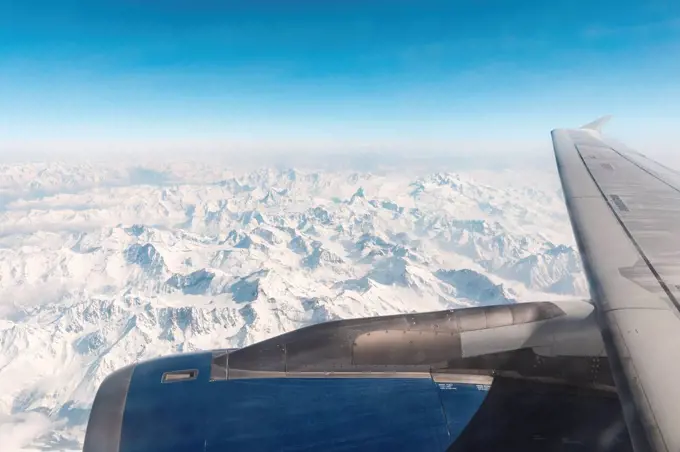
368,71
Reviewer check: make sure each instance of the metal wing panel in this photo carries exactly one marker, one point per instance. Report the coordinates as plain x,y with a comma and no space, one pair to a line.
625,218
650,341
604,244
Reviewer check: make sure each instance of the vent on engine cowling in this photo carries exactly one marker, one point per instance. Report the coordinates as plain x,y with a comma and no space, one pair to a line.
179,375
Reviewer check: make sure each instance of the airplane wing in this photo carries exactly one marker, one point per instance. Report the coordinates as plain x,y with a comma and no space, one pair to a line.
625,212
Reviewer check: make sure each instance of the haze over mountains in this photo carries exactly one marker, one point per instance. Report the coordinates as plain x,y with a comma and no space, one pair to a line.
101,266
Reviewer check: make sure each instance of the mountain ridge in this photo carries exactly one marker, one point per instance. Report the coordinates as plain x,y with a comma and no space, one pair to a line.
95,275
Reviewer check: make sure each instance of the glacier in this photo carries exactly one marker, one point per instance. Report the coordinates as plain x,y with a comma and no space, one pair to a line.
104,265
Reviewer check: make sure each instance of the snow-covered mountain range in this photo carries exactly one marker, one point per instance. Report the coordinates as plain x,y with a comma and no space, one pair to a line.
104,265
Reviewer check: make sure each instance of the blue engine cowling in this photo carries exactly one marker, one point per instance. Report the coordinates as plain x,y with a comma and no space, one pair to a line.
277,414
389,383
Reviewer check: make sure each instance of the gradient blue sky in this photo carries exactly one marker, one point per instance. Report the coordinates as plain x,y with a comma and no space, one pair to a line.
369,70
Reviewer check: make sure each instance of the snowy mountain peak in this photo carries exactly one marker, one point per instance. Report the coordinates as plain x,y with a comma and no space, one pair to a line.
248,288
147,257
252,217
475,286
451,180
273,197
194,283
299,245
359,194
96,276
320,256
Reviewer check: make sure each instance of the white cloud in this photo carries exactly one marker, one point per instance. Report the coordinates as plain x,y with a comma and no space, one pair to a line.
18,431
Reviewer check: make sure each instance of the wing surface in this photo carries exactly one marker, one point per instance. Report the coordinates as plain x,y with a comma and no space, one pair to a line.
625,212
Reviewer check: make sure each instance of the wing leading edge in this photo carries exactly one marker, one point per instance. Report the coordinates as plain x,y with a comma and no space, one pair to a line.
626,214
